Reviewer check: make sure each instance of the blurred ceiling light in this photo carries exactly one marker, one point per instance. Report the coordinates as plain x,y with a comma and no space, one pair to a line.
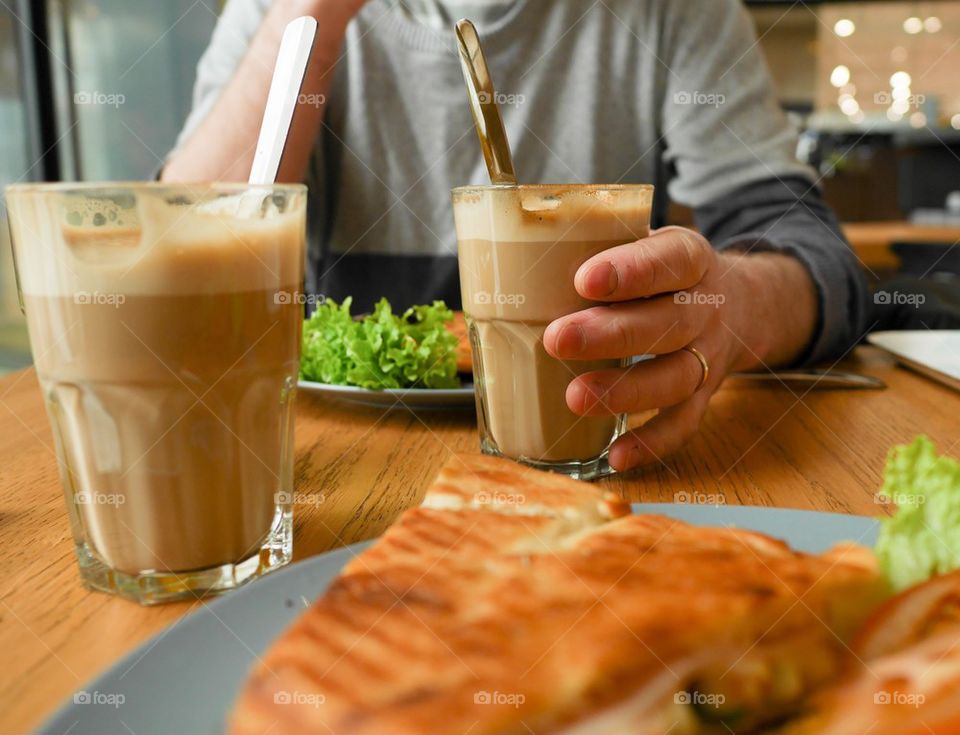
918,120
898,55
955,122
839,76
932,24
857,117
849,106
901,107
900,79
900,93
845,27
913,25
894,116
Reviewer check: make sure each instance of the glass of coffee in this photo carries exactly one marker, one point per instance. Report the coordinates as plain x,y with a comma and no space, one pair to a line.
519,248
165,327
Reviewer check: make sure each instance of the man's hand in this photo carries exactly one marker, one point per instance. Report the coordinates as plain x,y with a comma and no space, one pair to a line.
666,292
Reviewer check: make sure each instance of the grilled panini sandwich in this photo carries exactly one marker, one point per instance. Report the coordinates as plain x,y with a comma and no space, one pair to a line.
907,677
515,601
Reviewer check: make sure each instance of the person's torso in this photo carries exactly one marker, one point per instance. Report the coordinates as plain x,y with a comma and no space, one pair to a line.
577,85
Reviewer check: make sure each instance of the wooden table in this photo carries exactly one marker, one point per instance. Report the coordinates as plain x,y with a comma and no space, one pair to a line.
871,241
759,445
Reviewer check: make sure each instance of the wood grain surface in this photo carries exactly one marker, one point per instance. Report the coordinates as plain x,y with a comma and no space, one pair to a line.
358,467
871,241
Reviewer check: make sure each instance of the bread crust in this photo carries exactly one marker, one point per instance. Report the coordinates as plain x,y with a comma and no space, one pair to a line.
906,677
484,615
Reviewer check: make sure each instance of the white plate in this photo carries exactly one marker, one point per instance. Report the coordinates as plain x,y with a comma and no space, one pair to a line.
932,352
395,398
186,678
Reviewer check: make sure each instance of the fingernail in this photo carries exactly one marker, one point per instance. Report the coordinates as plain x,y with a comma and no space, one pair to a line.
601,280
632,460
595,394
624,458
571,341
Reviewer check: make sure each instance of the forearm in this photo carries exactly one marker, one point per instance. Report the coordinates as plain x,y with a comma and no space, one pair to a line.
788,217
223,146
774,311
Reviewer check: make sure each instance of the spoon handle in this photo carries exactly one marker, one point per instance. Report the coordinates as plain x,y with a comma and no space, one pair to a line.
483,105
818,378
292,59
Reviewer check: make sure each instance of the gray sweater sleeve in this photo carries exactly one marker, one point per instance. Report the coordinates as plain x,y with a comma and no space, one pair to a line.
733,153
720,122
788,215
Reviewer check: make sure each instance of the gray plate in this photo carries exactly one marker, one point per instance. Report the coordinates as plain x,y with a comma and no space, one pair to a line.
185,679
394,398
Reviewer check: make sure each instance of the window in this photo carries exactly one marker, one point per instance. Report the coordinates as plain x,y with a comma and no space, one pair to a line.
17,155
101,88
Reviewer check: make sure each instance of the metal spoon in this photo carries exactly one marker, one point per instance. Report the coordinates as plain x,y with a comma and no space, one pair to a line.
818,378
483,105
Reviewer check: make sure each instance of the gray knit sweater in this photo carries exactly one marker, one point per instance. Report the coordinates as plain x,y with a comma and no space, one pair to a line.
671,92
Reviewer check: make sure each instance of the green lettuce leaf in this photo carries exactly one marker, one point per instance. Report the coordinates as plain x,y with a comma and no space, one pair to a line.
923,538
380,350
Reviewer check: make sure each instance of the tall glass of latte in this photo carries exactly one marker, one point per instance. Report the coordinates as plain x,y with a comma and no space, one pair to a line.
165,328
519,249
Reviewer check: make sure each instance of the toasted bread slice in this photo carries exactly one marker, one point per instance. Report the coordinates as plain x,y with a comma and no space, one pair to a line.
487,483
907,681
911,616
914,691
477,617
480,505
908,678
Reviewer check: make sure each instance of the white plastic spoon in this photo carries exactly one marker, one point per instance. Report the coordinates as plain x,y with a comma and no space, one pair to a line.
288,73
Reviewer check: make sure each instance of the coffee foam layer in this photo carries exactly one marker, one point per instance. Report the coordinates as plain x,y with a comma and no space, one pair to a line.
545,214
223,245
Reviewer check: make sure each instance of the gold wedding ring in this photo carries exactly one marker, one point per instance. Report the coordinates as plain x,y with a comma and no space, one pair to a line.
703,364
